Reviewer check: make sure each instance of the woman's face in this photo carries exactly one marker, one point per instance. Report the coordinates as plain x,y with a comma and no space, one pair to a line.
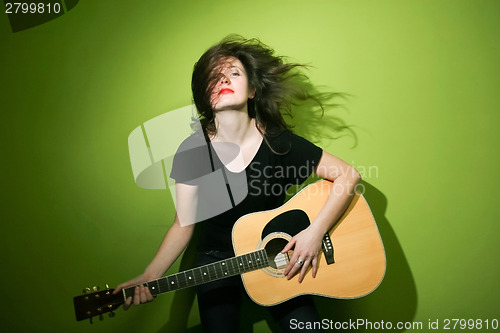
231,90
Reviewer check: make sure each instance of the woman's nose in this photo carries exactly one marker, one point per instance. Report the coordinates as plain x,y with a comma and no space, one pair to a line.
224,79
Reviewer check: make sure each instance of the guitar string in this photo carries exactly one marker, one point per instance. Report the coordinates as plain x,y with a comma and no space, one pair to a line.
218,270
213,271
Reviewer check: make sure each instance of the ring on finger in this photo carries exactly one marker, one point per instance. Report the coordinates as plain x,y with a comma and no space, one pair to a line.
300,262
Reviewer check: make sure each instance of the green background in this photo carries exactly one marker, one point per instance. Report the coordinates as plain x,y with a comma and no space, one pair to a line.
424,76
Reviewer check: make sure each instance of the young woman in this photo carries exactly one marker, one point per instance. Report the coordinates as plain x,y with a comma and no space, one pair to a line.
241,89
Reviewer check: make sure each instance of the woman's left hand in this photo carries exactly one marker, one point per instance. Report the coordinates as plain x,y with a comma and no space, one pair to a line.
306,246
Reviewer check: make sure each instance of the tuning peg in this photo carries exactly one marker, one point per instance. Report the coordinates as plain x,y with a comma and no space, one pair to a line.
107,290
101,317
111,314
86,290
96,288
91,320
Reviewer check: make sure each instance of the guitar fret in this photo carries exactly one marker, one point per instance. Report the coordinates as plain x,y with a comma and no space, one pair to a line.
233,267
188,278
154,287
255,262
182,281
191,277
171,283
194,274
204,274
224,268
177,280
229,267
218,270
257,259
264,258
242,264
162,285
236,265
211,272
198,276
245,263
250,261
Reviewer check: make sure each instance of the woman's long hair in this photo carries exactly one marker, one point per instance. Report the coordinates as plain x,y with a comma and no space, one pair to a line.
278,85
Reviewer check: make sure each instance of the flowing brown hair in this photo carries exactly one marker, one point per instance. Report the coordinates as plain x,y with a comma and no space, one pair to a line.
278,85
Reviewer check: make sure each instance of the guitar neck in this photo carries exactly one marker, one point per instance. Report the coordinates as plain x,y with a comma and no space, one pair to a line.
207,273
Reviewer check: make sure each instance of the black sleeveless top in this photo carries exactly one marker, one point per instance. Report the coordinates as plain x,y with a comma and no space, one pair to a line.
226,196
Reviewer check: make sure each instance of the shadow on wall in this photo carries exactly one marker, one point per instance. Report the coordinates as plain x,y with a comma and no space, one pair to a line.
395,300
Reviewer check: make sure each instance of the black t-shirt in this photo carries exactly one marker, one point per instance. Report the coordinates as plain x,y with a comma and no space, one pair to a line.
279,163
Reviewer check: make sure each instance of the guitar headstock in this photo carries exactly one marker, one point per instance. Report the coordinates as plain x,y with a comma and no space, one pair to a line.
95,302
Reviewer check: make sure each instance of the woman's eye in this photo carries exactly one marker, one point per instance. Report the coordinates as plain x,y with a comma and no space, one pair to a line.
235,74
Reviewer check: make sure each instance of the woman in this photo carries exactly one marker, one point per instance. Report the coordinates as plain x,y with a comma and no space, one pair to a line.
241,90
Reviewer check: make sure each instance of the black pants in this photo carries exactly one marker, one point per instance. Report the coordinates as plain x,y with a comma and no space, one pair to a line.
219,303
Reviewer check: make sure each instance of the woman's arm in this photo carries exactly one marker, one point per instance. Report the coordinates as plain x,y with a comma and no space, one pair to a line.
175,241
307,243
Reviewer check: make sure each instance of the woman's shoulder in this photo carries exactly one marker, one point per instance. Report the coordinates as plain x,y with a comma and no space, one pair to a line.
193,141
283,141
192,159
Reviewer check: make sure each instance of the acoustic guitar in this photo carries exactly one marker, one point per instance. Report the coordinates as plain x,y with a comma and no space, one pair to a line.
351,264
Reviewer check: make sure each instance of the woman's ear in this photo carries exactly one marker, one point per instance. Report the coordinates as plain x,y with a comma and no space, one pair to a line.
251,94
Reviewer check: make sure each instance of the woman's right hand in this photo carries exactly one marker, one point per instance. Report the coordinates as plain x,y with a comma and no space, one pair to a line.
141,293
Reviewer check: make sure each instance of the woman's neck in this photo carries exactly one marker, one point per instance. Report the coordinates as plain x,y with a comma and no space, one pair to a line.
234,126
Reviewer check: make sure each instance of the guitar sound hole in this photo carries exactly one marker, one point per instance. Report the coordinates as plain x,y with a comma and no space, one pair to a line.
276,259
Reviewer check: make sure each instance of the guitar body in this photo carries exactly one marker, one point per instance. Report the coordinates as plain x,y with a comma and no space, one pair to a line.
358,253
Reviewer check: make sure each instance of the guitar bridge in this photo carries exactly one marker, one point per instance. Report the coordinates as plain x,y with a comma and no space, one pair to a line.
327,248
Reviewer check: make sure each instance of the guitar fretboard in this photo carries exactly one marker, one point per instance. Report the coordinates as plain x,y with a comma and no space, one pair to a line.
207,273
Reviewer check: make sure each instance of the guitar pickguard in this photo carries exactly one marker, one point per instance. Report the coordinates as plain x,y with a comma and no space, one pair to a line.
290,222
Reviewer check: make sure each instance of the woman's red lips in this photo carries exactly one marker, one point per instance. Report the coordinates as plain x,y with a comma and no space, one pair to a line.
225,91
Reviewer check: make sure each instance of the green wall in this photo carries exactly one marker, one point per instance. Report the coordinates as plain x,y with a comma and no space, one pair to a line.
424,76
